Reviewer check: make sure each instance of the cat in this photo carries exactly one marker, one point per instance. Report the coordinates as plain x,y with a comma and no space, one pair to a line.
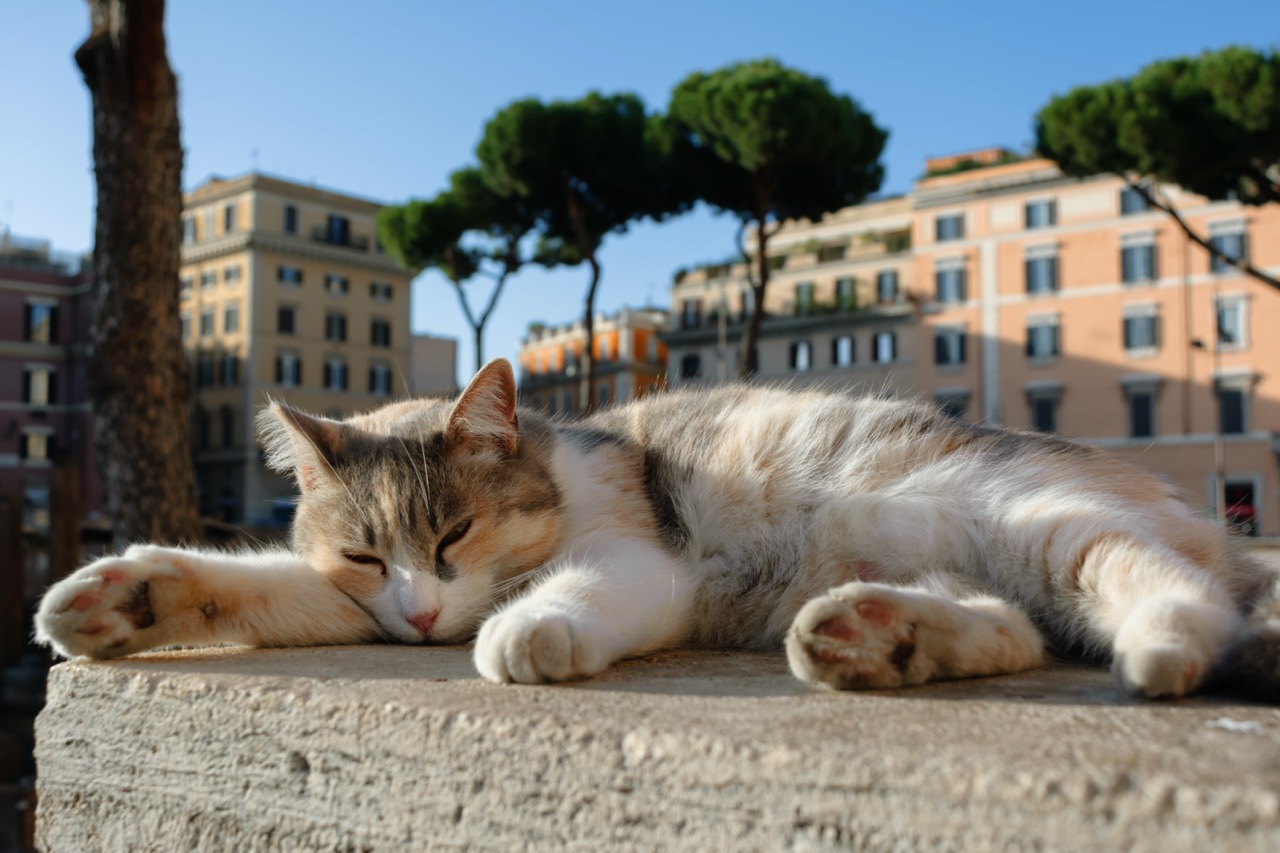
881,542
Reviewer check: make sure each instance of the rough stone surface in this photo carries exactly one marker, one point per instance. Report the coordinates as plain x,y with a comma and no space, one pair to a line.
387,748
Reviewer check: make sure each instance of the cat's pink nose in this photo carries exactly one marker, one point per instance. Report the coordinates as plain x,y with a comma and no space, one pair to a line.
424,622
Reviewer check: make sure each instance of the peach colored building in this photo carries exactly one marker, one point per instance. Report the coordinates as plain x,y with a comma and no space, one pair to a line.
1067,305
838,312
286,295
630,360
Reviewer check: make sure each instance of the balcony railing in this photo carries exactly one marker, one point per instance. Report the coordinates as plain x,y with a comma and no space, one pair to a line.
321,234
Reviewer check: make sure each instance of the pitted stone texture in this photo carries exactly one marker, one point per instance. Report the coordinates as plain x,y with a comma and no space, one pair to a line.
392,748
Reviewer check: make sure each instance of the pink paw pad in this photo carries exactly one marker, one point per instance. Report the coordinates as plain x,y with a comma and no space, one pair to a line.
84,601
113,576
91,629
876,612
838,629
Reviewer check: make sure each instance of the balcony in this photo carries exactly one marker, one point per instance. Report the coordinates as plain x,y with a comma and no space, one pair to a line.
322,234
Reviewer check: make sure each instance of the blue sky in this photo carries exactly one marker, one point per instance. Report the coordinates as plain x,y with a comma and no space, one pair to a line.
384,98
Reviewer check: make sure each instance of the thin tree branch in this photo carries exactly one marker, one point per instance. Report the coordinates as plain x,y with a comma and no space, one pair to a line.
1163,204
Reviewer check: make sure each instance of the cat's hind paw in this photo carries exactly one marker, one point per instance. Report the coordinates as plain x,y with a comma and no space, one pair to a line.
857,637
106,609
532,644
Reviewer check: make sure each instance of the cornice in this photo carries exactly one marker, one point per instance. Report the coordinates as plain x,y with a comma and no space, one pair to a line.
300,247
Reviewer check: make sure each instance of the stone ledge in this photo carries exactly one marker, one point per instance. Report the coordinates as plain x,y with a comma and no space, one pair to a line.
385,747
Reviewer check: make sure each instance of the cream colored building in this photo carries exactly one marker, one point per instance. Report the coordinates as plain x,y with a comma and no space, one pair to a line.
285,295
433,366
837,302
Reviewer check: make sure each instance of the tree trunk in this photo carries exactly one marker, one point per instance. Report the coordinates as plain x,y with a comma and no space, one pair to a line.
588,404
748,359
138,374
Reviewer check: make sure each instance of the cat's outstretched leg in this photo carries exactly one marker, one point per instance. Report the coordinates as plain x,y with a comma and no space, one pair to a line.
606,601
151,596
1168,620
867,635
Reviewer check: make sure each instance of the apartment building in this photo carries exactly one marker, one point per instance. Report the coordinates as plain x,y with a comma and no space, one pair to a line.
1069,306
45,413
286,295
838,311
631,360
1013,294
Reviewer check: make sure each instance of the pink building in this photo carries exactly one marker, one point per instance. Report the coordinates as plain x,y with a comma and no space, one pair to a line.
44,398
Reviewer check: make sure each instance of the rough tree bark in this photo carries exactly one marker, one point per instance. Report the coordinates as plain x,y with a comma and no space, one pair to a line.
138,376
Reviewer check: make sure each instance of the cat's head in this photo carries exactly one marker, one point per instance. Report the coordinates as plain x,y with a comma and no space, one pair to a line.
423,512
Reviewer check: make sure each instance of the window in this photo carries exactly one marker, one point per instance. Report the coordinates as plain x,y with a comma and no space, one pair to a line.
603,396
335,285
1041,271
285,317
690,313
289,275
188,229
1043,337
887,287
1231,409
227,415
690,366
335,374
204,371
651,349
801,357
829,254
1141,330
35,505
210,217
39,385
338,230
231,274
208,279
846,295
954,404
1043,407
231,318
948,346
950,227
1132,201
1040,214
380,379
335,327
206,322
229,369
1230,242
1231,323
37,445
229,218
380,333
288,370
569,407
884,347
290,219
41,322
1137,262
184,320
842,352
380,291
202,428
804,298
1142,411
950,283
184,287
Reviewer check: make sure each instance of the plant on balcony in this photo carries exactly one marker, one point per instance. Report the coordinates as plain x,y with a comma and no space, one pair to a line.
1210,124
769,143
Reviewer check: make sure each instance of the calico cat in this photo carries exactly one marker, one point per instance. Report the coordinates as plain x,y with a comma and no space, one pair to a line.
881,542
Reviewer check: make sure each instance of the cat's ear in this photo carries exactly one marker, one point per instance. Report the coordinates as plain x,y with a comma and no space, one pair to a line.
300,444
484,418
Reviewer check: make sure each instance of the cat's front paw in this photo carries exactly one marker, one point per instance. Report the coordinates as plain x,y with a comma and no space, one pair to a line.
531,643
110,607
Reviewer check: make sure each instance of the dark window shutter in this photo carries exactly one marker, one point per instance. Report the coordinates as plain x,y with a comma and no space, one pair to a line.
279,370
939,349
962,338
26,323
1128,332
1031,339
1053,274
22,446
1055,337
328,374
26,386
53,325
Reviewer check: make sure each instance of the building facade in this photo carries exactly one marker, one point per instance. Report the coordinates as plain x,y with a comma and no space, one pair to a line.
45,414
433,366
1030,299
285,295
631,361
838,307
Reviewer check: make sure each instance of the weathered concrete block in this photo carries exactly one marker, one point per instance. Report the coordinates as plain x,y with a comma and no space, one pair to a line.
383,748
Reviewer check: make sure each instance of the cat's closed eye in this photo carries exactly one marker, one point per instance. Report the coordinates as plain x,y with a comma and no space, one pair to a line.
367,560
457,532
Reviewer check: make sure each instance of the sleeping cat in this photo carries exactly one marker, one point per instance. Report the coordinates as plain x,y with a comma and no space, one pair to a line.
883,543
